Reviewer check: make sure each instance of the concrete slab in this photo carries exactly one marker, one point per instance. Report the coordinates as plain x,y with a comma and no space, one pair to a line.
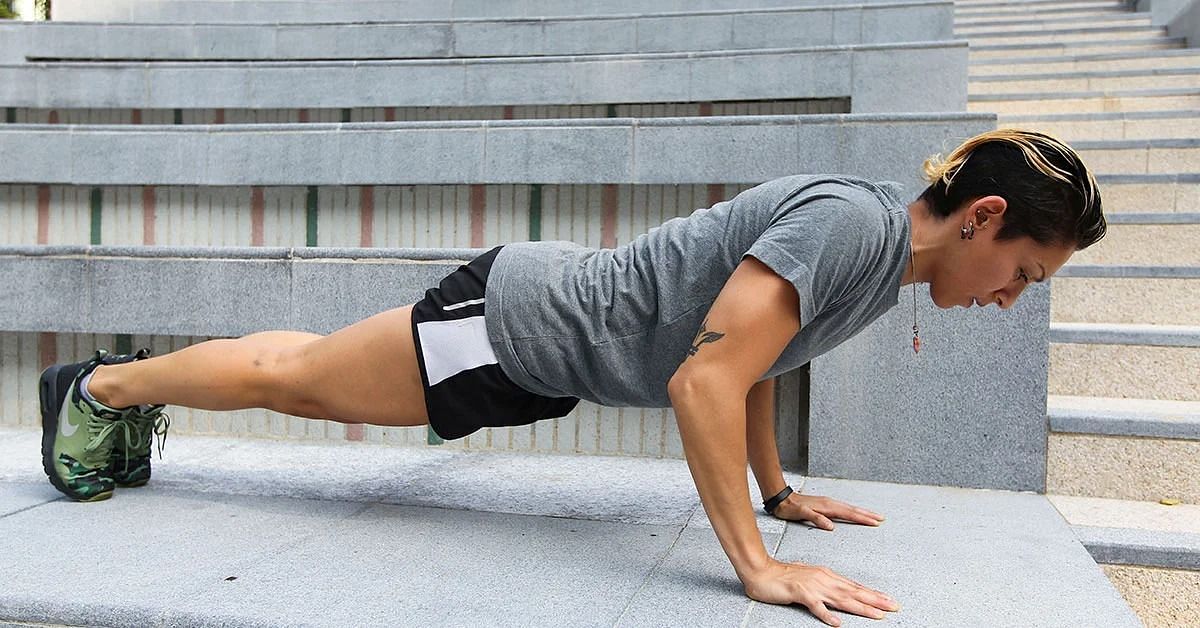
929,556
217,540
920,20
19,496
787,73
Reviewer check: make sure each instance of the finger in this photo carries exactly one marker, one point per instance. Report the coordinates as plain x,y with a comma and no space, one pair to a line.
821,521
818,608
875,598
851,605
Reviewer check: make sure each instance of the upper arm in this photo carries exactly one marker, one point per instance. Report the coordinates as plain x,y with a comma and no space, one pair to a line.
752,320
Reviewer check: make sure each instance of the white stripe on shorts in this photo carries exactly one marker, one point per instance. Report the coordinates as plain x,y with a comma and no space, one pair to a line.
451,347
461,304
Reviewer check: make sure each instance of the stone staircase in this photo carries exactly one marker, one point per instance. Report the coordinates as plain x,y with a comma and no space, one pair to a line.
1124,402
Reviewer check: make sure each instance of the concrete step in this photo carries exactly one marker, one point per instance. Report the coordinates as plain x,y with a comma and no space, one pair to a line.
1154,156
656,32
1156,193
844,71
1092,47
342,11
1080,9
1187,99
1158,59
1124,300
1141,545
1123,448
1121,370
1064,82
517,151
1066,35
1176,244
1137,335
974,27
1033,5
247,520
1131,125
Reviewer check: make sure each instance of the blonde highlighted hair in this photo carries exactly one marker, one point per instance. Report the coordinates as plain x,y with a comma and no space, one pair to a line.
1052,196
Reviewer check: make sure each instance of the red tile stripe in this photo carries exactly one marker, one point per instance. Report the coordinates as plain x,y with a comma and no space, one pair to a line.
389,114
608,220
54,116
43,209
478,202
137,116
220,118
304,115
47,349
256,216
706,109
508,112
354,431
716,193
366,205
148,214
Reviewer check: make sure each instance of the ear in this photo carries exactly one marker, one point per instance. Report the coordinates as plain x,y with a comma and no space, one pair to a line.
987,209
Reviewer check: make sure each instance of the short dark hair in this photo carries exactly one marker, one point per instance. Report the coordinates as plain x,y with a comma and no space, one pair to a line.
1052,197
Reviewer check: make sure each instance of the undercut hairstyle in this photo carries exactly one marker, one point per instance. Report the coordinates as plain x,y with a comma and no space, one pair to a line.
1052,196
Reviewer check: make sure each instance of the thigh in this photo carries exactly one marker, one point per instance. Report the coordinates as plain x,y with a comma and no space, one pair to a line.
364,373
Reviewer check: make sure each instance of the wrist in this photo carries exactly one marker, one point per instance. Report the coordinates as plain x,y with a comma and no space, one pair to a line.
771,503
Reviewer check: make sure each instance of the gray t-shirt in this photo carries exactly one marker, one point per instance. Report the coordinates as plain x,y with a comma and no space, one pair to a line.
612,325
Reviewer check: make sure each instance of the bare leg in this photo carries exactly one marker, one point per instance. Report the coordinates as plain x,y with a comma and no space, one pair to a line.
364,373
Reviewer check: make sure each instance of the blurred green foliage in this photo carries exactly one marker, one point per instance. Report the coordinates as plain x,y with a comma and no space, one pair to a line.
6,10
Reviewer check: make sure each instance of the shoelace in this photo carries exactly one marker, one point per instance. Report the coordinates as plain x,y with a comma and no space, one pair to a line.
134,436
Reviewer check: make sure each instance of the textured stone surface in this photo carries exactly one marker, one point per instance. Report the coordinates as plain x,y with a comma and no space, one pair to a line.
1105,300
1162,598
1157,245
768,28
272,11
1145,469
1125,417
1149,548
619,150
1124,371
1120,513
1150,194
881,412
545,540
784,73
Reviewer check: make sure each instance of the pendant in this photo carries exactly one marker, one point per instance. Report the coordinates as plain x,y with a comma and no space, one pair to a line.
916,341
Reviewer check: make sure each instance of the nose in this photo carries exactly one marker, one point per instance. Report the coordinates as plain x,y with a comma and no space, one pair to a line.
1009,296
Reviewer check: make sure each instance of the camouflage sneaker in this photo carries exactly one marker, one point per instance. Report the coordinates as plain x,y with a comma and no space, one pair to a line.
75,459
129,465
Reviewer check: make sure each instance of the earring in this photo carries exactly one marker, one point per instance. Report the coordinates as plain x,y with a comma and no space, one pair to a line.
968,235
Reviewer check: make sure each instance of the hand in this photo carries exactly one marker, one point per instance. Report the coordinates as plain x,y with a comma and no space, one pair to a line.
818,509
816,587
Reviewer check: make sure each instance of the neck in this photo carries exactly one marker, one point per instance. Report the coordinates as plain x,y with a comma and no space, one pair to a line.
926,238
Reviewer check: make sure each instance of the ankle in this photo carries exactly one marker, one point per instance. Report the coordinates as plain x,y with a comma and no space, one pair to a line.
101,387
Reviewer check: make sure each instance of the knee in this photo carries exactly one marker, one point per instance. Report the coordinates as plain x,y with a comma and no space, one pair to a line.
288,382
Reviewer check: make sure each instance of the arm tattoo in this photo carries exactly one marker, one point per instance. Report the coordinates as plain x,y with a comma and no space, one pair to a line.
702,337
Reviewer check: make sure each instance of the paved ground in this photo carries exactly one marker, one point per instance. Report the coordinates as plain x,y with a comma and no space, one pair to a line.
256,533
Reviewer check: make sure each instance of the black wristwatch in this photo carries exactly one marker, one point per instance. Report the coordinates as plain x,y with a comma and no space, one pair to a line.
771,504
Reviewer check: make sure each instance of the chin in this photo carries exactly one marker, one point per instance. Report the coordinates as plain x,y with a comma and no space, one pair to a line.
933,294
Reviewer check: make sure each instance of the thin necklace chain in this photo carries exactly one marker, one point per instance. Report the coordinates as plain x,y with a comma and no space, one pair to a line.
916,332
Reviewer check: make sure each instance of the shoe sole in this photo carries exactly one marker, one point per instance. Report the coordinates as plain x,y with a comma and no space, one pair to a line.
48,392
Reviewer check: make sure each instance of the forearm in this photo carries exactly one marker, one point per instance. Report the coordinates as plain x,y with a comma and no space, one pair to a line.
760,438
712,426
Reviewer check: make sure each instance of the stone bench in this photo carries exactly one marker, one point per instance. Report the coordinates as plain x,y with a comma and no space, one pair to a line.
324,11
876,78
922,20
619,150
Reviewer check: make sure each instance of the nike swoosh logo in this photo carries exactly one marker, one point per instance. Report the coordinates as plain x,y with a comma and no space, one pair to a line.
64,418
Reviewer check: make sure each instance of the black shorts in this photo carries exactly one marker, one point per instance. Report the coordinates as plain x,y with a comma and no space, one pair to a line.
468,389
